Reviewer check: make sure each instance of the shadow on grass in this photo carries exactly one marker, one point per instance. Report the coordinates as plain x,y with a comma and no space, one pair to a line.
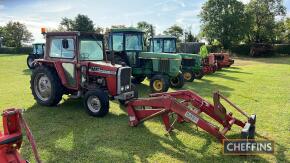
27,72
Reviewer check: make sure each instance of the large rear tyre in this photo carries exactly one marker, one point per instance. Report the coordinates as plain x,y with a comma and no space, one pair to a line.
30,60
96,103
46,86
177,82
188,76
159,83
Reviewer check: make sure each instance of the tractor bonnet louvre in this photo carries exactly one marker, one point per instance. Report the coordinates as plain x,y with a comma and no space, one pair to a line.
164,65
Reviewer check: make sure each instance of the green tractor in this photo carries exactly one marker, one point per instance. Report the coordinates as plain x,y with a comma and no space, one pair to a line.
163,70
191,63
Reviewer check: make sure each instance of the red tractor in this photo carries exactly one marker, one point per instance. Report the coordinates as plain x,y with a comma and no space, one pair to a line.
209,64
75,64
223,60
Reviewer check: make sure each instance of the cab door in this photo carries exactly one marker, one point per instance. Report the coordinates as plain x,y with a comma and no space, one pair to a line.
62,51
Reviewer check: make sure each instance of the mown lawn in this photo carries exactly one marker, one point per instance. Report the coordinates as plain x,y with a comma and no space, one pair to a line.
67,134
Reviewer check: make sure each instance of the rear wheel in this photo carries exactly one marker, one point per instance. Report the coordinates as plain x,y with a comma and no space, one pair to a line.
46,86
96,103
159,83
188,76
30,60
177,82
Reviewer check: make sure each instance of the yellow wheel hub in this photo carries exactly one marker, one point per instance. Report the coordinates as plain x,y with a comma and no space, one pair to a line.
158,85
187,75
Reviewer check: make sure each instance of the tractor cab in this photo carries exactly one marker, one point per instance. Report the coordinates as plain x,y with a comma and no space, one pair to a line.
163,70
191,63
127,45
75,64
37,52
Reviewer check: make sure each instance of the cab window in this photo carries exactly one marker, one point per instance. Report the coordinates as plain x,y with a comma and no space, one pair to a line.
117,42
57,50
158,45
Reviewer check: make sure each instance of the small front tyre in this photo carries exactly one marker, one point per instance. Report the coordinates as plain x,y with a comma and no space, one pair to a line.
188,76
96,103
177,82
30,60
159,83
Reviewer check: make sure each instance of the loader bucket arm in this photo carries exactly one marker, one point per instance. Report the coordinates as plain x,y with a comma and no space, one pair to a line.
165,104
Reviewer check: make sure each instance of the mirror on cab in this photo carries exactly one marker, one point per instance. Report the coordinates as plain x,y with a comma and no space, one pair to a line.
65,43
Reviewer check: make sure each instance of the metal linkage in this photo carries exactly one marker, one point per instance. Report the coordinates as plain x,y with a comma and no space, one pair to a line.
188,106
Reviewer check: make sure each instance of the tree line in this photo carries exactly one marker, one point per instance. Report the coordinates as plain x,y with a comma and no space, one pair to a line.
225,22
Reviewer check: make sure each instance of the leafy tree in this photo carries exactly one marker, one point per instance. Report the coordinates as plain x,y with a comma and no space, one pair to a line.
79,23
191,38
263,13
146,27
174,30
287,30
225,21
14,33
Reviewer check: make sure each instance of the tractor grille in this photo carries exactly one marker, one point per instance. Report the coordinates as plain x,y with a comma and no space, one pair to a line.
188,62
124,79
164,65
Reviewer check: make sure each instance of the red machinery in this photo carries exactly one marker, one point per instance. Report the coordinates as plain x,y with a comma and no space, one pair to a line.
223,60
188,106
11,137
209,64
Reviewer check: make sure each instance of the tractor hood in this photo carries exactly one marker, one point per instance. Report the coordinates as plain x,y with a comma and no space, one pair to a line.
157,55
102,67
189,56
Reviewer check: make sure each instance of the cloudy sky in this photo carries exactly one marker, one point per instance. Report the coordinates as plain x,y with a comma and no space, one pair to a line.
162,13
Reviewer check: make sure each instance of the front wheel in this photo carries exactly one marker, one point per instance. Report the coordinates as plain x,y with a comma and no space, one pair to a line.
96,103
188,76
159,83
177,82
30,60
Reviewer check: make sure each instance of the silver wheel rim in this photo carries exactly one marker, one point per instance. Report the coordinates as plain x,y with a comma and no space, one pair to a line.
42,87
30,60
94,104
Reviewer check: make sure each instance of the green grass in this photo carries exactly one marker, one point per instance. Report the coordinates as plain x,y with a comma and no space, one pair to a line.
67,134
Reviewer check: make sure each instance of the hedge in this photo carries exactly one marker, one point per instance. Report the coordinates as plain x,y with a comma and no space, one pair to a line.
282,49
242,49
21,50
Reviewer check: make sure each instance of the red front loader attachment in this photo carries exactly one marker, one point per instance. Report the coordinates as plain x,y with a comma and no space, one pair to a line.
11,137
188,106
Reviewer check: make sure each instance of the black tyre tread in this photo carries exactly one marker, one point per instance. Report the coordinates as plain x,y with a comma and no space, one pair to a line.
30,56
165,81
55,82
181,81
104,99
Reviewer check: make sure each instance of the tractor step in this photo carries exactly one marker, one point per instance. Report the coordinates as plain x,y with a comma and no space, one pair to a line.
188,106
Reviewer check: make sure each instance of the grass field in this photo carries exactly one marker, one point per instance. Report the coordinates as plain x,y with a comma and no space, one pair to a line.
67,134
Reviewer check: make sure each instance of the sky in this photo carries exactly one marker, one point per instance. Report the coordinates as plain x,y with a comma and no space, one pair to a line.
104,13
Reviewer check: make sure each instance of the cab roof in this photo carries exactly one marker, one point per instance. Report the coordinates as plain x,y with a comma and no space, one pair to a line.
130,29
164,37
74,33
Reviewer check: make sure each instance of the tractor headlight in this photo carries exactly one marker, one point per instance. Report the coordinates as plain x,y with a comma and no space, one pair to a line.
122,88
127,87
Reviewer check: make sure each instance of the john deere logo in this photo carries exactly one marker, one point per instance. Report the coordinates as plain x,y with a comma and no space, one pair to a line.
247,147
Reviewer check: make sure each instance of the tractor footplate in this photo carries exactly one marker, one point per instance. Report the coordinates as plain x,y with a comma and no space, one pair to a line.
187,106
